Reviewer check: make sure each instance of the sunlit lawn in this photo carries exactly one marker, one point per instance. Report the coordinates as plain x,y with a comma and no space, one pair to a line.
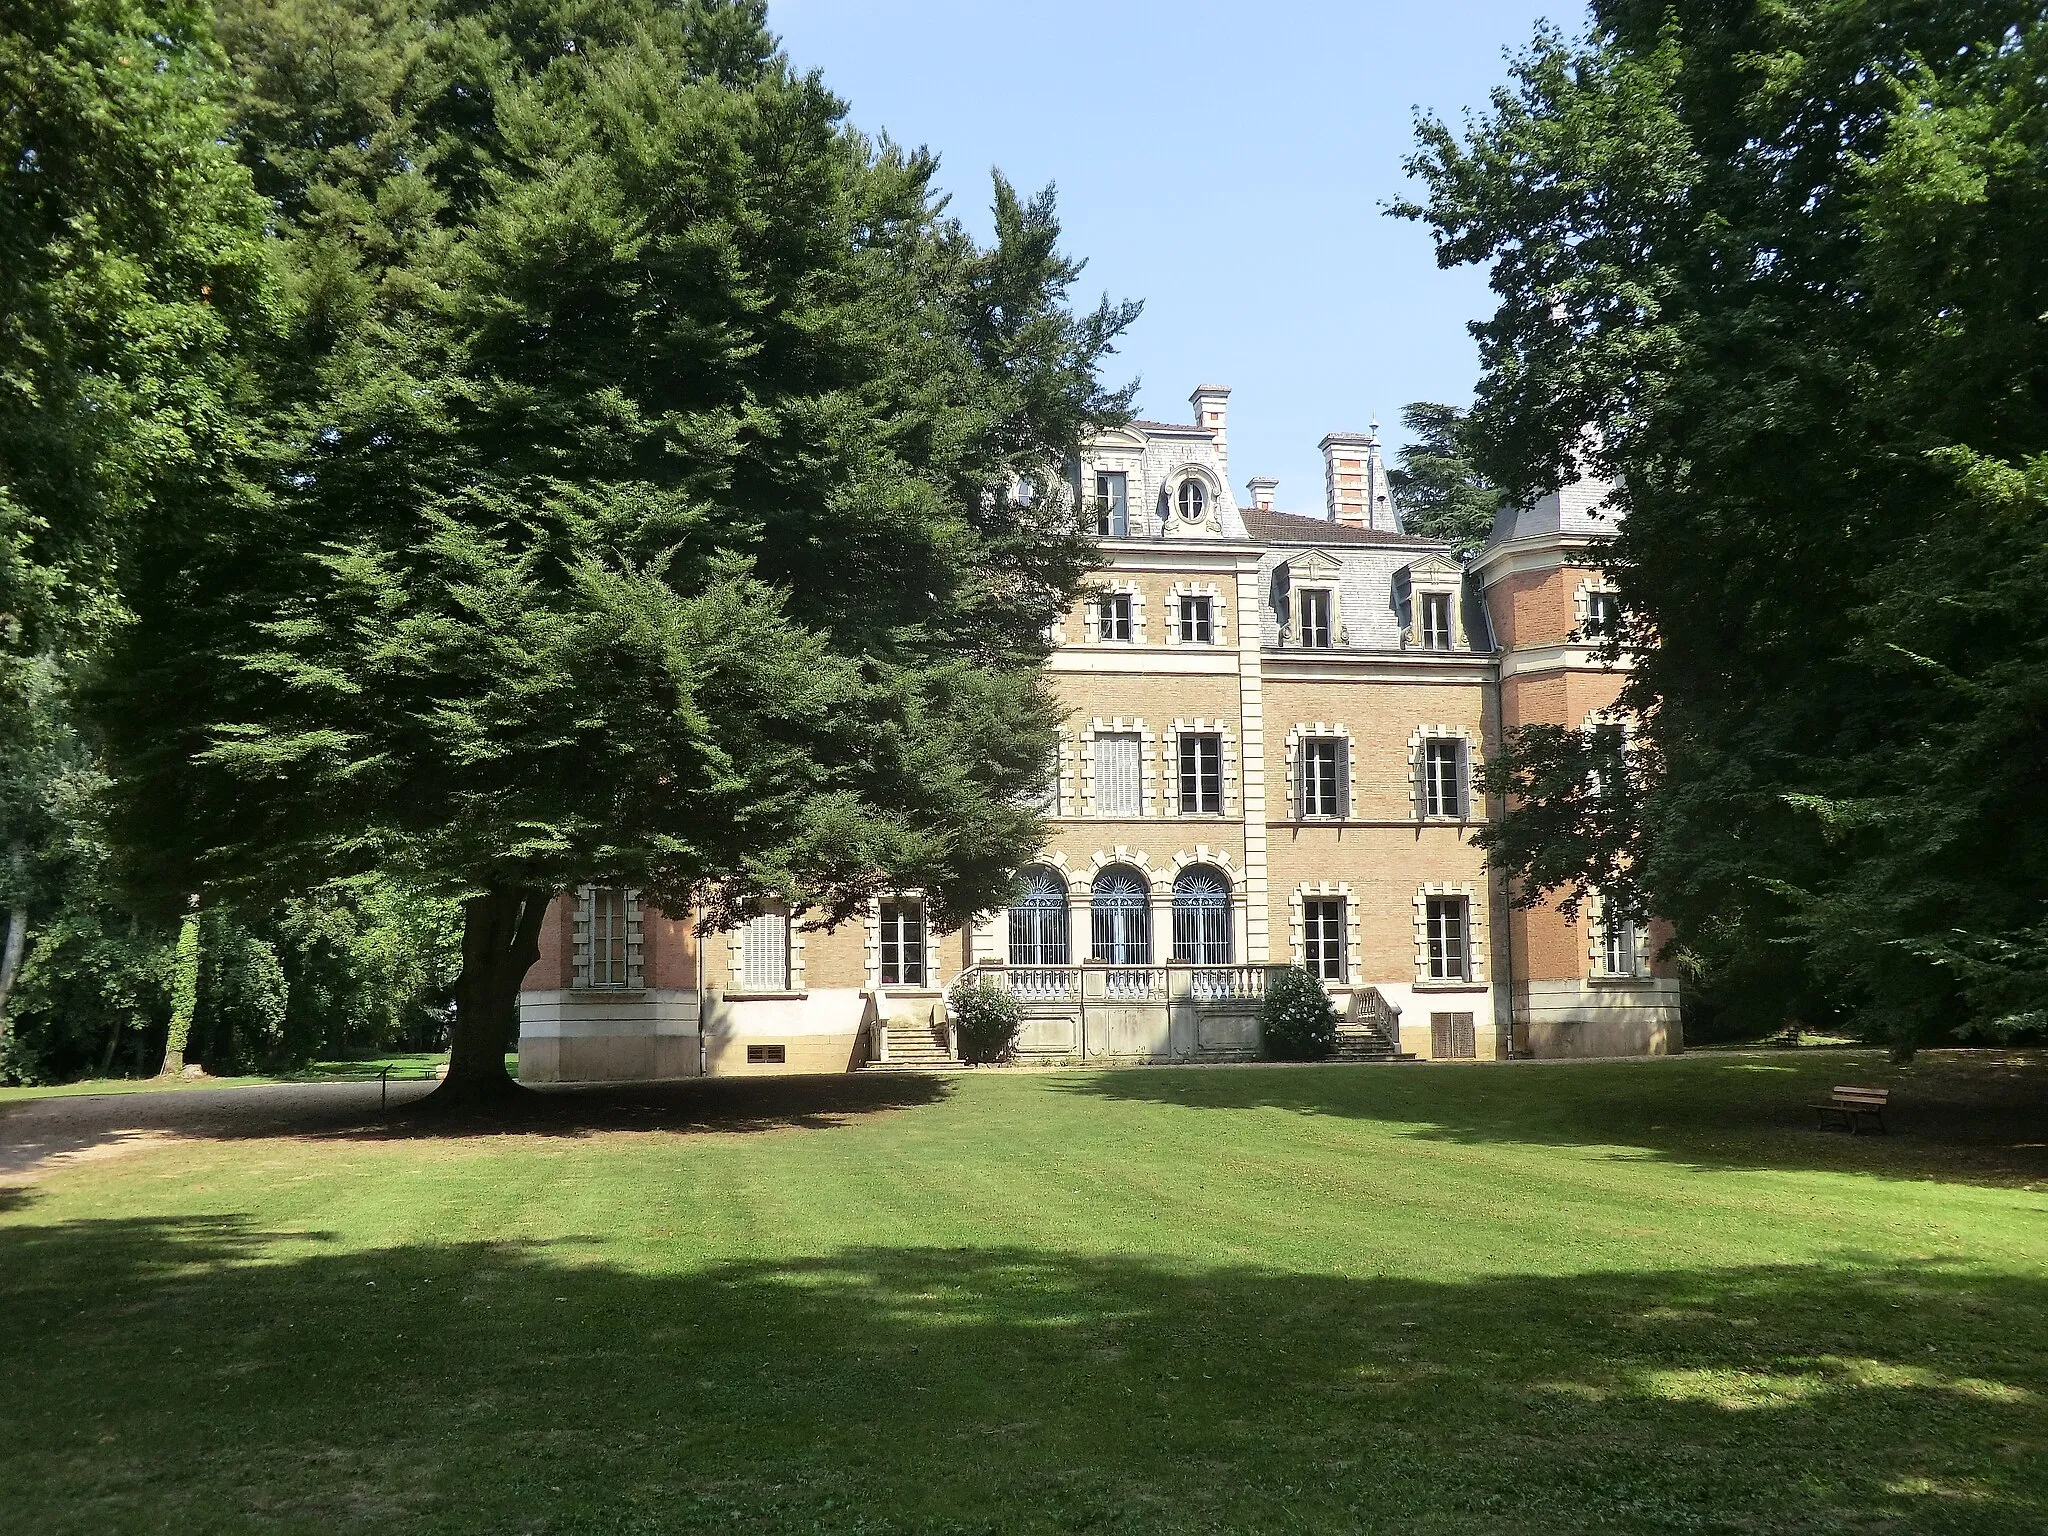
1595,1297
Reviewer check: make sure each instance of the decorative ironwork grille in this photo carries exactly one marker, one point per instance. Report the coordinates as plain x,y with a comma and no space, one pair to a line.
1038,921
1201,918
1120,914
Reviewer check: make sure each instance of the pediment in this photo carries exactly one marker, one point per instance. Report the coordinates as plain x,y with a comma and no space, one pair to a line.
1434,565
1118,438
1315,562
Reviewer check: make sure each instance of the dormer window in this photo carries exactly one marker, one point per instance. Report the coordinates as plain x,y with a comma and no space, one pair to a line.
1112,506
1315,619
1436,621
1194,501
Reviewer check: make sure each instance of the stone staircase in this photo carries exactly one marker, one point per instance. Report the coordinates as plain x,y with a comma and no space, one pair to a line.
1370,1030
915,1045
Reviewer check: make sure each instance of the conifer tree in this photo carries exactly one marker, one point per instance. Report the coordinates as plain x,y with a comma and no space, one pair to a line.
662,489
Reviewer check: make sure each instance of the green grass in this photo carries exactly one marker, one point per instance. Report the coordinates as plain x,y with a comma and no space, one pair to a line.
1594,1297
406,1066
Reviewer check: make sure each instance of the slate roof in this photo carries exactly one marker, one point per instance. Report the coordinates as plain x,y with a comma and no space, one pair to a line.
1184,428
1290,528
1574,509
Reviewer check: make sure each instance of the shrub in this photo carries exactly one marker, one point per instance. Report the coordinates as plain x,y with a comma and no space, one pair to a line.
985,1018
1297,1021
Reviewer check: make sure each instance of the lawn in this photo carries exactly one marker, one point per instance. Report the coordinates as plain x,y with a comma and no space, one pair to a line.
1536,1298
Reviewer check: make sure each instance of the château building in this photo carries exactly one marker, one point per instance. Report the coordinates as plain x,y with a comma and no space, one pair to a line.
1274,721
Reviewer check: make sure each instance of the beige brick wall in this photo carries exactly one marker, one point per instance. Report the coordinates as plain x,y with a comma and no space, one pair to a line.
1384,866
1380,717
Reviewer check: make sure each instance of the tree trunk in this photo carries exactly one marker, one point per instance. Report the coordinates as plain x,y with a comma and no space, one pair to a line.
184,993
10,959
500,943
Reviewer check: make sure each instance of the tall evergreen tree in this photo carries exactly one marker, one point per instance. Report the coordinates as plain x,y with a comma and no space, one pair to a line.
1786,266
666,490
1442,494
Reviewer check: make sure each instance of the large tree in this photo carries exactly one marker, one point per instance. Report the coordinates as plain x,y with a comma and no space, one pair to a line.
1780,272
1442,493
663,489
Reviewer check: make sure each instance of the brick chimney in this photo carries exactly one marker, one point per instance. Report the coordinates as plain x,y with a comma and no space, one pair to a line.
1355,481
1211,402
1262,488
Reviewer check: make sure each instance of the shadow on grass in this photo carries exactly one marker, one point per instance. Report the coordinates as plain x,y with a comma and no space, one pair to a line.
1958,1116
37,1132
197,1374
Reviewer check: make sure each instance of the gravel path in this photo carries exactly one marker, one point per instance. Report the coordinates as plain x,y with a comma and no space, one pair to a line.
41,1134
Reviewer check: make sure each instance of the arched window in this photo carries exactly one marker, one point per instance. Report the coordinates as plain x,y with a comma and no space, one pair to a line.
1201,917
1120,911
1038,920
1194,500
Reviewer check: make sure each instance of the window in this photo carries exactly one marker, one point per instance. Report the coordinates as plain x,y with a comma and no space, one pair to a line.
1603,615
1112,506
1618,945
607,936
1444,918
1436,621
1038,920
1201,775
1194,500
764,953
1201,917
1315,619
1119,785
1196,627
1120,913
767,1056
1113,616
1443,778
1322,933
903,942
1324,776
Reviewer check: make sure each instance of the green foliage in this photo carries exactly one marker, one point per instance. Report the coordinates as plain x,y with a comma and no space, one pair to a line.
985,1020
661,488
1780,275
1297,1021
130,265
1442,495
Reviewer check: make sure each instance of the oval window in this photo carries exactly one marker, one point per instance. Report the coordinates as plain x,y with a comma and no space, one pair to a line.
1194,500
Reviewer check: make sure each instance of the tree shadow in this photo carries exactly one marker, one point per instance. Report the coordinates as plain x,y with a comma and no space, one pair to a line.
192,1374
35,1133
1978,1117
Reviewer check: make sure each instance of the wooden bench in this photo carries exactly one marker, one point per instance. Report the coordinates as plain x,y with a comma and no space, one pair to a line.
1854,1104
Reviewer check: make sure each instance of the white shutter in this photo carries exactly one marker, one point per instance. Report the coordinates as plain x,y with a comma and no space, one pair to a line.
1343,751
1118,782
765,950
1464,781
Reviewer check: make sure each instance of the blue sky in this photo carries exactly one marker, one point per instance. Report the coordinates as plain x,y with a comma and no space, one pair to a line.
1226,163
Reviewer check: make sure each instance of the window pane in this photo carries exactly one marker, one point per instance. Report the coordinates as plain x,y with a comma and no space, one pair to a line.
765,951
1120,914
1445,920
1315,619
1443,769
608,937
1118,775
1201,775
1195,625
1323,938
1112,506
1323,777
1201,918
1038,921
1436,621
902,942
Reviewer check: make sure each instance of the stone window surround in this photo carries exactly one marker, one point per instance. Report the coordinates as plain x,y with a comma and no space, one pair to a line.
1297,924
1582,607
1594,909
1440,732
872,947
579,942
1475,939
1298,733
1128,589
736,974
1218,613
1168,500
1148,763
1447,583
1296,590
1232,801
